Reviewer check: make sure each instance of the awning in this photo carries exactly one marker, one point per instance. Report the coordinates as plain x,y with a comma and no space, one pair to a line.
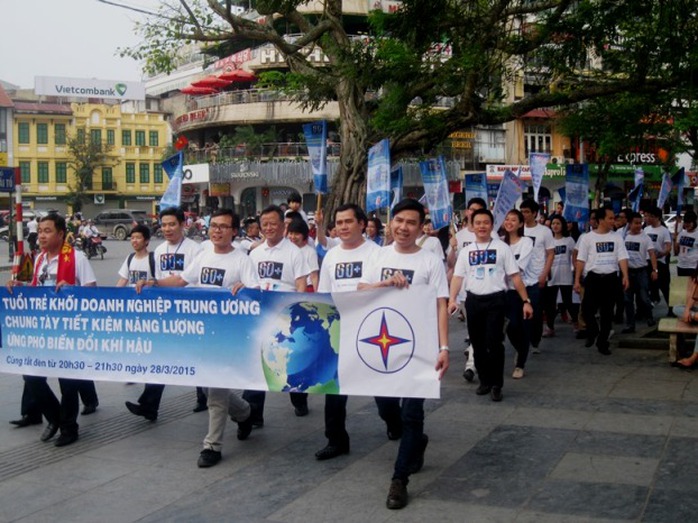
198,91
238,75
211,81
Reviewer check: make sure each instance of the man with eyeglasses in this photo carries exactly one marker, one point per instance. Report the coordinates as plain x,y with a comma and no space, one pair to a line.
58,265
224,267
171,258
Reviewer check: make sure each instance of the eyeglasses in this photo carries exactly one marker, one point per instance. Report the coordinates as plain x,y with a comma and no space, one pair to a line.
220,227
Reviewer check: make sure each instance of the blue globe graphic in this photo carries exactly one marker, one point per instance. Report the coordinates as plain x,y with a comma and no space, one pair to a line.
300,353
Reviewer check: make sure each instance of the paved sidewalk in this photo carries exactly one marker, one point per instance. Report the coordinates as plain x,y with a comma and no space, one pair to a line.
583,437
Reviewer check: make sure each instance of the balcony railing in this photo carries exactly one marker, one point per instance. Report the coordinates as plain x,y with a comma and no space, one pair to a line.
265,151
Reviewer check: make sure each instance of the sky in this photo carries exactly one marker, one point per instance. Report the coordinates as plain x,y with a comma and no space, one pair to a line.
68,38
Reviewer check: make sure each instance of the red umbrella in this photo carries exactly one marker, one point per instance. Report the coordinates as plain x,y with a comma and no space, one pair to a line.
197,91
238,75
211,81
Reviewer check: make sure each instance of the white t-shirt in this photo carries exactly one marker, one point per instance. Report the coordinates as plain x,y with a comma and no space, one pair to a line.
485,267
342,269
32,226
660,236
542,238
46,270
601,252
638,247
523,251
465,237
173,259
221,270
278,267
688,249
429,243
138,269
419,268
561,271
310,257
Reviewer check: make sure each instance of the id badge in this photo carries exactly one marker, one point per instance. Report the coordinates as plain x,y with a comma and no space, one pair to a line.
480,273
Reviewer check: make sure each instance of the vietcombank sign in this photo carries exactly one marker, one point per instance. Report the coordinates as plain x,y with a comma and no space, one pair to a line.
88,88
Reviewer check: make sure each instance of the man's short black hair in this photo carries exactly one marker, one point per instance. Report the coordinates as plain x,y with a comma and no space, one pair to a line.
655,211
234,218
531,205
632,215
177,212
293,216
273,209
476,200
58,221
251,220
482,211
294,197
143,230
359,213
600,213
690,216
408,204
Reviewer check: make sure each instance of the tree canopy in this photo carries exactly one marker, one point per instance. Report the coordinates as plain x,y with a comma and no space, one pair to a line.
439,66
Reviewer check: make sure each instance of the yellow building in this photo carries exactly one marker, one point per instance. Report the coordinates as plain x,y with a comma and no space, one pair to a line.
132,177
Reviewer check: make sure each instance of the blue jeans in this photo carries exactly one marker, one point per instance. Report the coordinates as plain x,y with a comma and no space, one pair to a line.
412,413
639,286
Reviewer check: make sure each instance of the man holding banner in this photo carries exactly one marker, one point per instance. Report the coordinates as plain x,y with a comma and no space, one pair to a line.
401,265
172,257
341,271
58,265
221,268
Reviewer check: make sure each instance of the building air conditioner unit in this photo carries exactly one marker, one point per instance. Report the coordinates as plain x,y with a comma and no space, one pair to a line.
99,199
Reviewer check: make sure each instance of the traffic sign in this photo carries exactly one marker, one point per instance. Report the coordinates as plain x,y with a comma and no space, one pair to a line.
7,179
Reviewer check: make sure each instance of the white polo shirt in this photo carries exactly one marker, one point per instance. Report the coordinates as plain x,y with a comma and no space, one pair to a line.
601,252
279,266
342,269
173,259
214,270
486,266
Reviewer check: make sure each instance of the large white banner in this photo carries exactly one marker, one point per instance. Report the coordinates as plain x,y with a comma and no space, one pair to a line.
372,343
89,88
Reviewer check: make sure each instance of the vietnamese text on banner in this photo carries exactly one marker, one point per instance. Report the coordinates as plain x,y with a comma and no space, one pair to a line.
374,343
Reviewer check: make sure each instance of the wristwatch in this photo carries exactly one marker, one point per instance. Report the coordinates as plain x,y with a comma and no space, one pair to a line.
444,347
528,300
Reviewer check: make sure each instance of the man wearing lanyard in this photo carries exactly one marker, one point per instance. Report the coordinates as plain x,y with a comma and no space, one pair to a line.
171,258
601,252
484,265
59,265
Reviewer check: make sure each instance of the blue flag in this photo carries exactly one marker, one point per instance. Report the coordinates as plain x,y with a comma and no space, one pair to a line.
174,167
475,186
577,193
316,139
436,191
636,194
378,176
395,186
678,181
509,192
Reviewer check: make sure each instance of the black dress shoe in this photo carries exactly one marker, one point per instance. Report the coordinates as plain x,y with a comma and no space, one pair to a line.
138,410
66,439
589,342
604,350
331,451
301,411
469,375
394,431
496,394
25,421
90,408
49,432
244,429
483,389
200,407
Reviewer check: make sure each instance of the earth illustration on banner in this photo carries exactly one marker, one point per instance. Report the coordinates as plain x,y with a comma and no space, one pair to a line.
300,349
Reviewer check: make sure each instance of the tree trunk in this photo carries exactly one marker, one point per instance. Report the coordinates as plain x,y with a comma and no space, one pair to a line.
349,184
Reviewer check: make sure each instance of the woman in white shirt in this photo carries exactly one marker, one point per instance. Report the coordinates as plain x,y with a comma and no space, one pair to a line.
518,329
561,276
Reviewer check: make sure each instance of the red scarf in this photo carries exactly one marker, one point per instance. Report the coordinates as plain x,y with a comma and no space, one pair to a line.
66,266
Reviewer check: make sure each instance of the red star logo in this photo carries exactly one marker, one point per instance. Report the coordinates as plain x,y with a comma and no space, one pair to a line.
385,341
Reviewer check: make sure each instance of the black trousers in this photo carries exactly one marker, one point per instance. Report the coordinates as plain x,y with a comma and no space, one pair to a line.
41,398
257,398
596,298
662,283
151,396
335,420
485,316
551,303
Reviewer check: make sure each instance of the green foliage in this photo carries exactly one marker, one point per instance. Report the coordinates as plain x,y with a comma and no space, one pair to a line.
85,157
